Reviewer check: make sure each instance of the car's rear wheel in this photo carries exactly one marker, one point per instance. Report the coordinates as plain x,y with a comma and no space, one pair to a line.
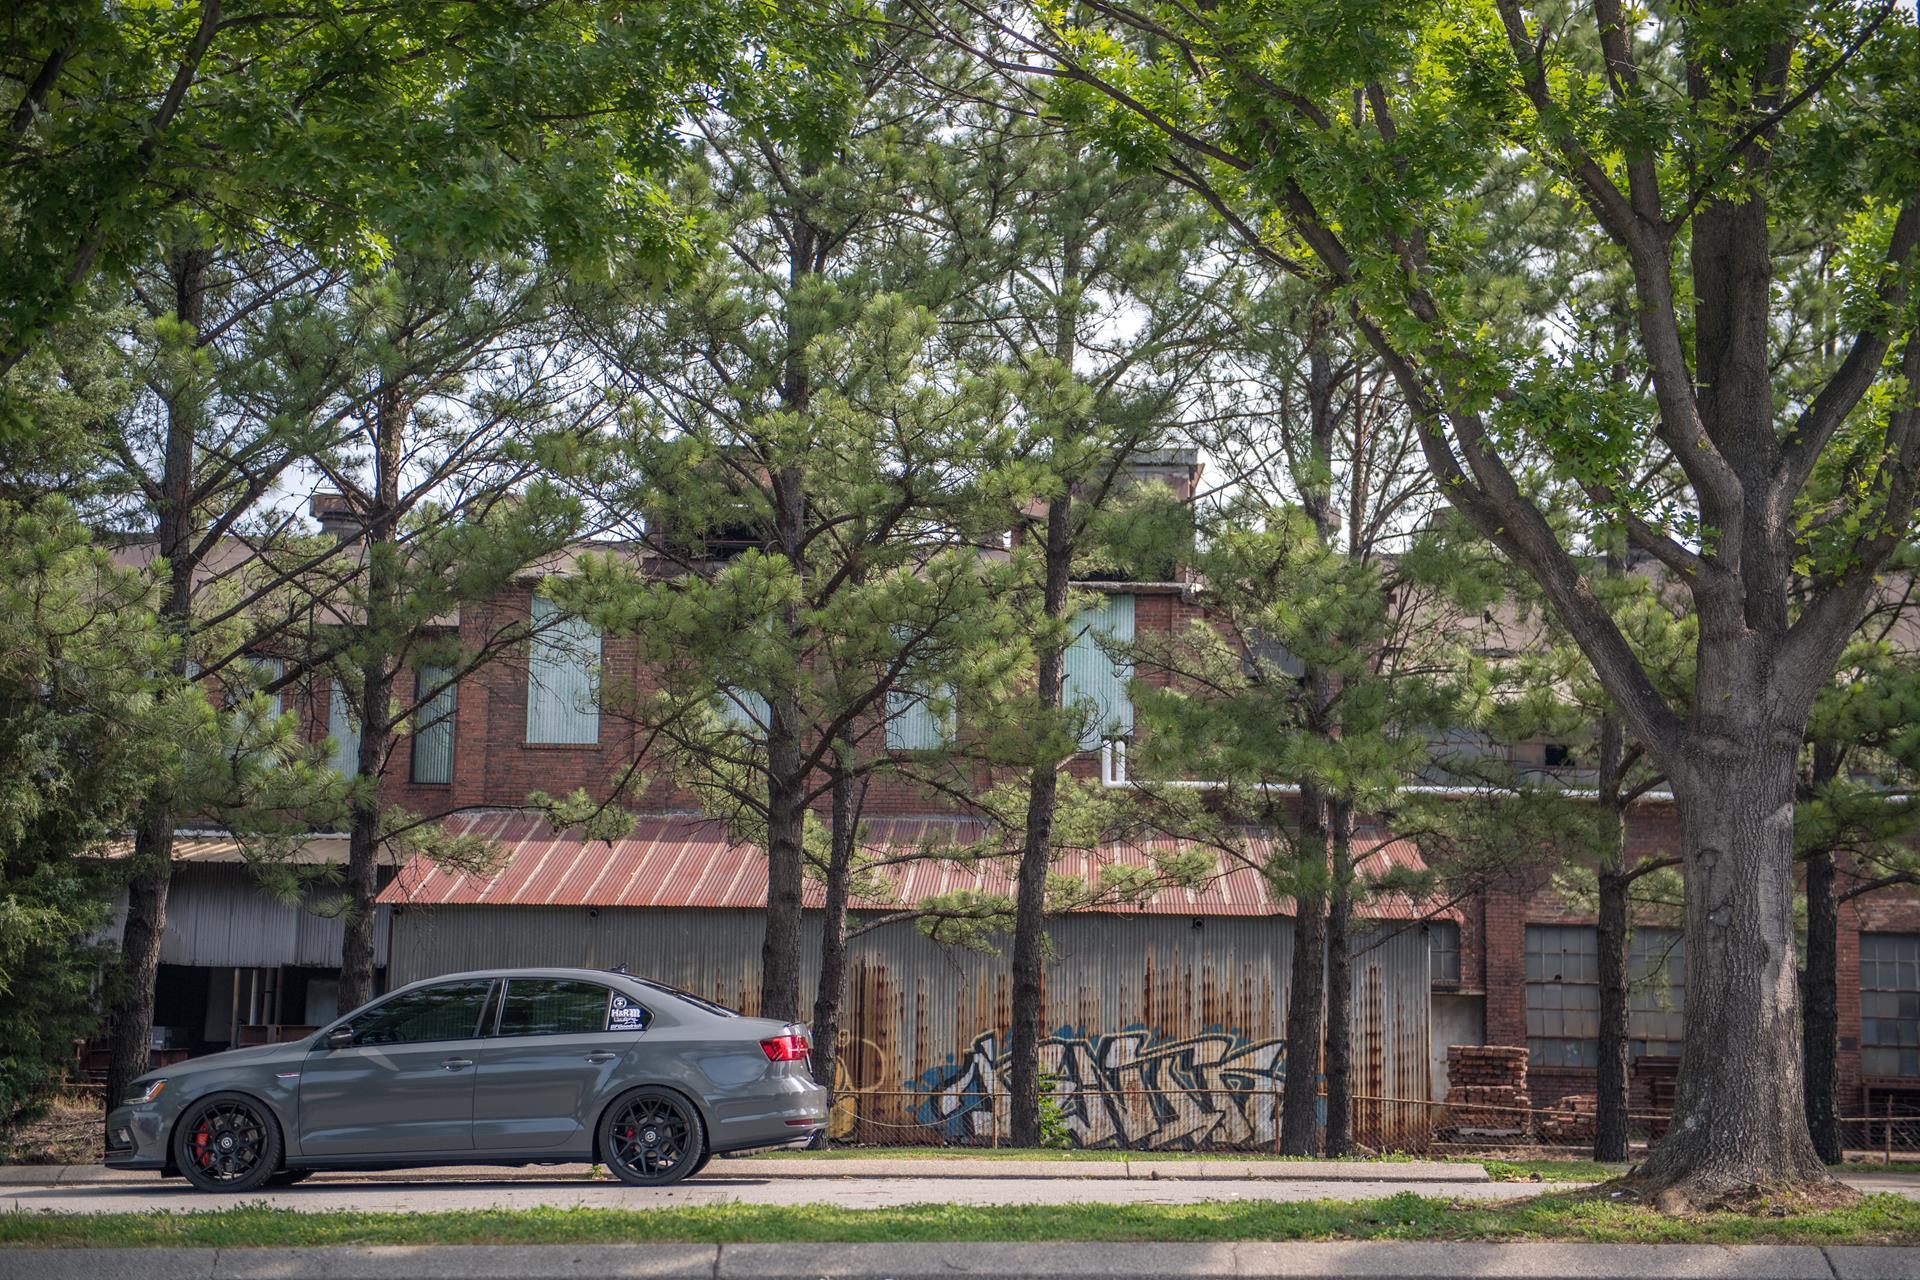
652,1137
228,1142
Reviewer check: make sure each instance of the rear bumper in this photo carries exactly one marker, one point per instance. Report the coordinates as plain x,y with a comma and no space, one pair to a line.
794,1114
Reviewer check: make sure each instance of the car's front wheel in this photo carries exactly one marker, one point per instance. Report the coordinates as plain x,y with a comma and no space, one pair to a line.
652,1137
227,1142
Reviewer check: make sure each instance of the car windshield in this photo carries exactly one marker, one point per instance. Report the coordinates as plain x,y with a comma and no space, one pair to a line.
689,997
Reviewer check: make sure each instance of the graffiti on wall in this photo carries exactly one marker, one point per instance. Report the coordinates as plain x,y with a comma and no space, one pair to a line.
1131,1088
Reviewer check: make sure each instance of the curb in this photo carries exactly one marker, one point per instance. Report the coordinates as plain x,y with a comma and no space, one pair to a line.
957,1167
1306,1261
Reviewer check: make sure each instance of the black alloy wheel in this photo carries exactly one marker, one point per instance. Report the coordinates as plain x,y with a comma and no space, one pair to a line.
228,1142
651,1137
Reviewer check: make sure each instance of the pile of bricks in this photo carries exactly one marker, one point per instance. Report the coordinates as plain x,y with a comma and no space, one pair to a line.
1481,1078
1572,1119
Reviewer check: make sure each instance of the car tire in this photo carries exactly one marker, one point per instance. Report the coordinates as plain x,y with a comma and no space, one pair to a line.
706,1158
227,1142
652,1137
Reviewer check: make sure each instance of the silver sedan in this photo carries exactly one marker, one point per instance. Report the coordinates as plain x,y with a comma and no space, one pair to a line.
511,1066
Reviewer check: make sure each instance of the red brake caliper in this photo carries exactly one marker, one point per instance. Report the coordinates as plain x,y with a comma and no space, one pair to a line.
201,1144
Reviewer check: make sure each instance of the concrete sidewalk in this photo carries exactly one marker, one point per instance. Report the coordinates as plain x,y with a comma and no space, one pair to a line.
1110,1261
1145,1168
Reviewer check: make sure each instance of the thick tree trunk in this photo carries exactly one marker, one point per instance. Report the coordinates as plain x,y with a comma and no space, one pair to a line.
1339,1140
132,1036
1610,1076
1739,1117
1036,855
1821,1022
831,994
1306,991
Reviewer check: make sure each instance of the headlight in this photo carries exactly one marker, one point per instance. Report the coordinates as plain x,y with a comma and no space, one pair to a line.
147,1093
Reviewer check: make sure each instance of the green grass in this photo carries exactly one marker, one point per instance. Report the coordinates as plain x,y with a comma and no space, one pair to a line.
1881,1219
1549,1170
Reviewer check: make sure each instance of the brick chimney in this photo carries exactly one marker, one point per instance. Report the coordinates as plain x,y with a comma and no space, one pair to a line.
336,515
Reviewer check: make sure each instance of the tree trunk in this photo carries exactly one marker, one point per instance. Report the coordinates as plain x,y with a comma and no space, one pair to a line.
1306,992
1739,1118
786,877
363,839
131,1038
831,994
1610,1074
1339,1141
1821,1038
132,1035
1036,855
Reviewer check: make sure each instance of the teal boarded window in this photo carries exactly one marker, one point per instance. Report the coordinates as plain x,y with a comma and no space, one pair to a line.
433,725
563,678
919,721
1095,676
343,726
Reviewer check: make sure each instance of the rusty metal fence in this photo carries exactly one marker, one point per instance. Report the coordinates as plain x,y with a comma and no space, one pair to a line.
1246,1121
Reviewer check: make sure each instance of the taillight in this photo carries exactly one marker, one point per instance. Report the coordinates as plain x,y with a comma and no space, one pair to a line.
789,1046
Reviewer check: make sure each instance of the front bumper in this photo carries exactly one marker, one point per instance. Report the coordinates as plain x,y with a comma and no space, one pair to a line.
136,1138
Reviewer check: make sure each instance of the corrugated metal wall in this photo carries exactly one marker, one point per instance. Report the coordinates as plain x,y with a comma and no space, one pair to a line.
1164,1031
219,915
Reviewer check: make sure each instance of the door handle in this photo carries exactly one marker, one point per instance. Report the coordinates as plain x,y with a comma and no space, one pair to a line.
456,1064
601,1055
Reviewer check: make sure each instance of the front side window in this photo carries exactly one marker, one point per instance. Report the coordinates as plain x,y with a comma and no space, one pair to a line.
450,1011
560,1007
1890,1004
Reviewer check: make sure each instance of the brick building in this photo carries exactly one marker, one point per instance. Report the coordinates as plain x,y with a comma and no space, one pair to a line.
1512,965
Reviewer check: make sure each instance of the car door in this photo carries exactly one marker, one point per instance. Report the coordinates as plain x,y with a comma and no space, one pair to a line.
551,1063
405,1084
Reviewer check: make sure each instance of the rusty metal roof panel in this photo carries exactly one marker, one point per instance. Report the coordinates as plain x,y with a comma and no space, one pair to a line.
677,860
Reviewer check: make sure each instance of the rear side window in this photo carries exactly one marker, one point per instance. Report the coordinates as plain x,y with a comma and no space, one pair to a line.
553,1007
450,1011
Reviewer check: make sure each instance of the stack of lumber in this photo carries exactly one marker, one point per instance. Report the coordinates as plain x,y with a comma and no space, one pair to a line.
1487,1088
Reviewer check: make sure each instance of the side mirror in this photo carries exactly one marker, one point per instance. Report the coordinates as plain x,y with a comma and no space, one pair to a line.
340,1037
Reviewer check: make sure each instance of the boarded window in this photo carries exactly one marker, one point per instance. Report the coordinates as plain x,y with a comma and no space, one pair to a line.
265,671
1096,674
563,678
343,726
1443,949
1890,1004
1563,995
917,721
745,710
433,730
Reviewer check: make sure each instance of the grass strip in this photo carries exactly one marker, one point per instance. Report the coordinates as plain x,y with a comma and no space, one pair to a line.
1881,1219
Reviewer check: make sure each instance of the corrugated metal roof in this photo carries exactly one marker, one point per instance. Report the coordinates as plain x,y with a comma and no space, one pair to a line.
324,848
685,861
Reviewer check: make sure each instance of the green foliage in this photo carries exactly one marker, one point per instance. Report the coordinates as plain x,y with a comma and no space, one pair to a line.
83,726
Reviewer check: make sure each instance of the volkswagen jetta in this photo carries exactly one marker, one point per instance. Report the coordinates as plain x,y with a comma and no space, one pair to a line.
512,1066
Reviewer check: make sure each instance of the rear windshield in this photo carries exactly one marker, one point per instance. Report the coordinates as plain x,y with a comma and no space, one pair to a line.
689,997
